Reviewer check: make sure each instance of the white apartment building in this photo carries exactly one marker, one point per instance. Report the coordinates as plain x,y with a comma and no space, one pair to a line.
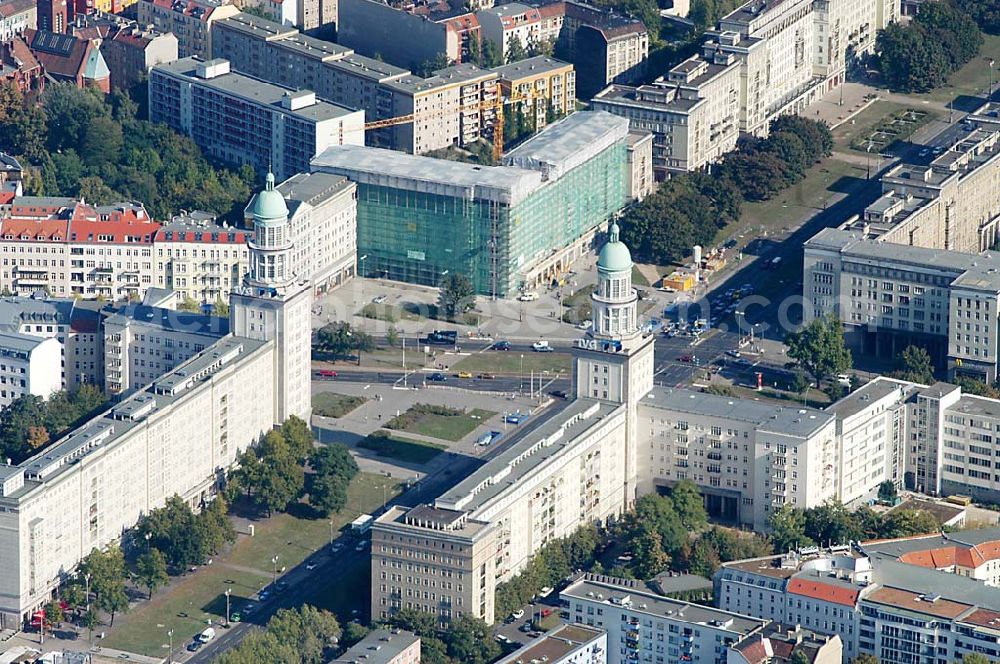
889,296
190,20
198,258
242,120
577,468
15,17
323,218
693,113
642,626
923,600
28,365
748,458
69,248
75,325
142,343
176,436
511,22
566,644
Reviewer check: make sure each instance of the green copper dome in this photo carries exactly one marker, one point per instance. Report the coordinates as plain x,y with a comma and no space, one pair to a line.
269,205
614,256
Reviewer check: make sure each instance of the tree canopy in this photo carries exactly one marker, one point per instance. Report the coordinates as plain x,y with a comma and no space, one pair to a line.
303,635
819,347
30,422
79,142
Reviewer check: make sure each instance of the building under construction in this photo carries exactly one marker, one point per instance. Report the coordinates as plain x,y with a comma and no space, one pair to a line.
507,228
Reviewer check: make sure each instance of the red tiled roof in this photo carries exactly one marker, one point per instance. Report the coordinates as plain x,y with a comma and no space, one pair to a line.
823,591
753,650
782,649
66,63
949,556
6,197
28,229
51,220
983,618
551,10
914,601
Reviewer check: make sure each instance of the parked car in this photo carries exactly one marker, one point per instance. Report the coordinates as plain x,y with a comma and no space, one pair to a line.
361,545
379,299
684,358
236,617
584,325
311,566
528,297
336,547
194,646
517,615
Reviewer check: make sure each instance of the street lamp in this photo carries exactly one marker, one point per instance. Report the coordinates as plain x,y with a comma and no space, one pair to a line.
90,624
228,591
331,532
989,97
274,571
170,648
361,283
520,379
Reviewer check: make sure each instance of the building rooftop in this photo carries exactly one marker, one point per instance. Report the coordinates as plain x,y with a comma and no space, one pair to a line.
378,166
944,513
460,74
917,601
790,420
669,582
976,271
311,47
454,522
40,309
568,143
863,397
623,592
312,188
536,66
665,101
202,227
523,458
379,646
368,68
256,26
15,342
171,319
554,645
252,90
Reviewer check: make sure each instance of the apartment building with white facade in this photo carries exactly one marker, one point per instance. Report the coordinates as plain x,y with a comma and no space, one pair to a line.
190,20
922,600
889,296
580,467
643,626
69,248
748,458
176,436
28,365
198,258
566,644
693,112
242,120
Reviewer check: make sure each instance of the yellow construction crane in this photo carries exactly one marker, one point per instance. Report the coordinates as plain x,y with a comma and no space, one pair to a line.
496,104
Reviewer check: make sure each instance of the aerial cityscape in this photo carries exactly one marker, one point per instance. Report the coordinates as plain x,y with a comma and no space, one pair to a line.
500,332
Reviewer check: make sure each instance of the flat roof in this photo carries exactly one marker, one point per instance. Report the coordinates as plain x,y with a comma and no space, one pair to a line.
255,26
524,457
568,143
380,646
368,68
22,343
784,419
378,166
311,47
171,319
253,90
612,592
917,601
313,188
867,394
540,64
454,75
555,645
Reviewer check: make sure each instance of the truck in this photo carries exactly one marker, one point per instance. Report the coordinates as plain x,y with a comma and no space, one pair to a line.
362,524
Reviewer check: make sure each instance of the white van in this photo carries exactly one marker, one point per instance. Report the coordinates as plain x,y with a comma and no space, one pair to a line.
207,635
528,297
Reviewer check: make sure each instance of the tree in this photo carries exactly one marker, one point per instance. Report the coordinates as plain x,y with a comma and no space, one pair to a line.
689,505
420,623
107,579
151,570
986,13
37,437
705,560
392,335
831,523
310,631
968,384
353,632
491,55
904,523
515,50
788,529
469,640
190,305
341,338
819,347
298,436
799,656
54,613
457,295
427,68
220,308
887,492
649,558
865,659
327,493
975,658
281,477
914,364
172,529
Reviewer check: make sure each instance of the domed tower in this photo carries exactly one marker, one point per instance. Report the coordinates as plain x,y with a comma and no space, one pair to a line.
275,304
615,362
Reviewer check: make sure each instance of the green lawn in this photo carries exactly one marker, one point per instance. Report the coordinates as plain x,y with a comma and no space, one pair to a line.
891,129
850,131
385,312
246,569
974,77
500,362
811,192
452,426
330,404
638,278
400,448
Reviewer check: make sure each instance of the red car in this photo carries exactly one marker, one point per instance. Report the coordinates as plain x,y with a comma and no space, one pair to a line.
326,373
684,358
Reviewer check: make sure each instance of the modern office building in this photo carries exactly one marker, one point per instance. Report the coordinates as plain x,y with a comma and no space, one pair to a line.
506,227
174,437
951,203
642,626
693,113
578,467
200,259
243,120
924,599
383,646
190,20
566,644
890,296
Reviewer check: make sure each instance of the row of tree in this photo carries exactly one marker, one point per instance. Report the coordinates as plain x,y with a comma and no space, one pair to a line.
272,474
919,56
175,535
986,13
83,143
832,523
691,208
30,421
303,635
